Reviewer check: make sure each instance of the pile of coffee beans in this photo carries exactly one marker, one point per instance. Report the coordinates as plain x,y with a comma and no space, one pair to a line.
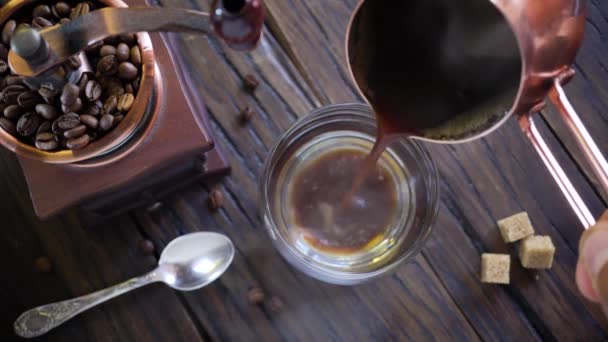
73,116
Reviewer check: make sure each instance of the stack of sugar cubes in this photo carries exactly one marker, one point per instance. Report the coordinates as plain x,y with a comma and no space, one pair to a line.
535,252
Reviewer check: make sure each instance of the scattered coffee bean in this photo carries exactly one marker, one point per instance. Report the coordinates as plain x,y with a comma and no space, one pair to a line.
255,295
79,10
8,126
69,94
128,38
47,111
95,48
146,247
3,67
43,11
74,107
14,80
12,112
275,304
135,55
12,92
129,88
75,132
29,99
43,264
78,143
122,52
92,91
40,23
94,109
47,145
48,92
89,120
135,84
216,199
246,114
125,101
106,122
61,10
127,71
85,77
45,136
110,105
107,65
250,82
64,21
28,124
44,127
67,121
118,119
107,50
73,62
8,30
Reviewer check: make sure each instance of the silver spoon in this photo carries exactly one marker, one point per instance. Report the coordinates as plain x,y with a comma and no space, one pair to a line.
187,263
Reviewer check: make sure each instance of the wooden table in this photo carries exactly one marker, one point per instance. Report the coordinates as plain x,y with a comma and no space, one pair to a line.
438,295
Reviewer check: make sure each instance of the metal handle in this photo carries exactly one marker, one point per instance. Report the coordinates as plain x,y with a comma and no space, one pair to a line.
527,125
582,136
40,320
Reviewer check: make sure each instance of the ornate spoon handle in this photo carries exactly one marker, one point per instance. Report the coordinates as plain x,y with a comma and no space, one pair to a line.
40,320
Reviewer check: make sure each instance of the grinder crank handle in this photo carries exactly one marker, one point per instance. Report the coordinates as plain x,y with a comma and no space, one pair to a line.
238,22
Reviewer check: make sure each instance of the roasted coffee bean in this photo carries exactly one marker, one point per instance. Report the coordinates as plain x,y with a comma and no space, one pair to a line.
106,122
67,121
43,264
69,94
73,62
93,109
125,102
61,10
48,92
127,71
8,30
128,38
246,114
129,88
47,145
43,11
44,127
92,91
146,247
122,52
8,126
14,80
89,120
250,82
216,199
47,111
74,107
78,143
29,99
13,112
110,105
64,21
3,67
85,77
118,119
45,136
135,55
107,50
107,65
95,48
28,124
255,295
135,84
3,52
12,92
75,132
116,89
40,23
79,10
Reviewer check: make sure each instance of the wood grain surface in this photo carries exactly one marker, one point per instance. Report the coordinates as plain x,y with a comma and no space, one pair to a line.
301,66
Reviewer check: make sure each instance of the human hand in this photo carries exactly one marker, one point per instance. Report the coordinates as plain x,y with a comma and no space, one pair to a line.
592,267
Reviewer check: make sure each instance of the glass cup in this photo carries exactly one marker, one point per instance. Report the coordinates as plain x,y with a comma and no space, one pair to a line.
411,171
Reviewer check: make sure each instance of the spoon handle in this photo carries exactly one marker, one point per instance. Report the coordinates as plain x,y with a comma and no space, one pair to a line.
40,320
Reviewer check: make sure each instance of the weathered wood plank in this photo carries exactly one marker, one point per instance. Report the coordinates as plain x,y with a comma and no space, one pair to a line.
85,261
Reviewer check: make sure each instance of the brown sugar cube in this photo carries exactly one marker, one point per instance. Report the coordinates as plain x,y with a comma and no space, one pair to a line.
537,252
516,227
495,268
